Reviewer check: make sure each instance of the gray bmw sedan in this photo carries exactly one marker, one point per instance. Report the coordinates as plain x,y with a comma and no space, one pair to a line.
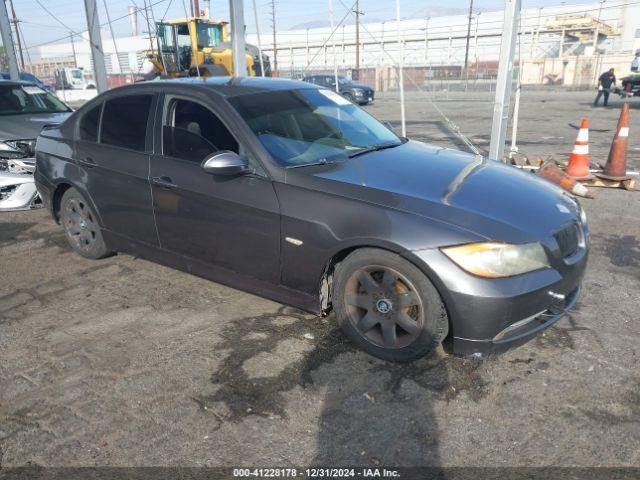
290,191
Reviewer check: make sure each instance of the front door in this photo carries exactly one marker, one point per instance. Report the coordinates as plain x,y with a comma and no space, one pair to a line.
231,222
113,148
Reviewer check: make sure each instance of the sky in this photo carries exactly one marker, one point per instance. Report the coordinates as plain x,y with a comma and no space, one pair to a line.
40,27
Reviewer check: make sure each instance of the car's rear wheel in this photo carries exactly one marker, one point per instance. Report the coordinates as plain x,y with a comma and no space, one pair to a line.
81,226
387,306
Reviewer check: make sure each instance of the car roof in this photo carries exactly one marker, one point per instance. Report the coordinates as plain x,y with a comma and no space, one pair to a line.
16,82
230,86
7,74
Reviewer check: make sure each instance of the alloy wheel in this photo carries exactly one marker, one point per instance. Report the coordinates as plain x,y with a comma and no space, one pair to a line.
80,224
384,307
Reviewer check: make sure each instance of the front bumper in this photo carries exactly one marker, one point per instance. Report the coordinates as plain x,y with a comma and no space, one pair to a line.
518,333
18,192
366,98
489,316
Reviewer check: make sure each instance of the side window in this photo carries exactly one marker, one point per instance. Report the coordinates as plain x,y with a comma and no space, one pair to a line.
88,128
124,121
192,132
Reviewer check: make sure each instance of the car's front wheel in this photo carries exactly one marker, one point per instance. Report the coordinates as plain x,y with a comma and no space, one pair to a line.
387,306
81,226
349,97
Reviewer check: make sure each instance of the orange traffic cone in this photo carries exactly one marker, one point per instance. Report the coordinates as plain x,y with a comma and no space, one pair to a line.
551,172
578,167
616,167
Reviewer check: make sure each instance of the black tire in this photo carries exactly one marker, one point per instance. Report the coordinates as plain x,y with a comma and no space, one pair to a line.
81,226
349,97
398,316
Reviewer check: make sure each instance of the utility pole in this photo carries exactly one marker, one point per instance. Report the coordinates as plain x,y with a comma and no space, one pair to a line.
333,51
115,44
236,9
597,32
357,39
400,70
275,46
7,41
97,53
196,8
503,84
146,17
466,50
73,49
255,18
15,26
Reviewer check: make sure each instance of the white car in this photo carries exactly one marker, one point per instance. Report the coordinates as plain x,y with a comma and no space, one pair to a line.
18,192
25,109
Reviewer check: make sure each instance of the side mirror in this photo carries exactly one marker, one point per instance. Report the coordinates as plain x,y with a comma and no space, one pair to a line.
225,163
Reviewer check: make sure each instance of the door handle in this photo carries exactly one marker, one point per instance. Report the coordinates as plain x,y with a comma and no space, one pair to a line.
87,162
164,182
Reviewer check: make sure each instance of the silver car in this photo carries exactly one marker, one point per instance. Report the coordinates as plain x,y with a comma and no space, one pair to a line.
24,109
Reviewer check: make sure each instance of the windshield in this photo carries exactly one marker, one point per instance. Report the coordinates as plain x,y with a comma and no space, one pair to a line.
17,99
208,35
300,127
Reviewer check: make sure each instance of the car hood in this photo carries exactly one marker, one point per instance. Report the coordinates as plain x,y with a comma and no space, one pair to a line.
27,126
490,199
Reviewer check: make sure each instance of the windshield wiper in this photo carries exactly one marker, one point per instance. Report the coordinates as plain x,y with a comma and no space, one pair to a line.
322,161
373,148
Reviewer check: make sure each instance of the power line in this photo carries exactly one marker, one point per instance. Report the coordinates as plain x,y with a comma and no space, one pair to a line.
76,33
53,16
15,26
113,37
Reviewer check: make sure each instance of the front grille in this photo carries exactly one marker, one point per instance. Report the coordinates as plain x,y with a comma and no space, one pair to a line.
568,240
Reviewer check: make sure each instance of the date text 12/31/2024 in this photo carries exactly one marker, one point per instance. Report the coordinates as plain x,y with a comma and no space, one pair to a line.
315,473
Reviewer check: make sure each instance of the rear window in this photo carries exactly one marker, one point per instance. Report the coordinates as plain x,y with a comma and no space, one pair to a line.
88,128
124,121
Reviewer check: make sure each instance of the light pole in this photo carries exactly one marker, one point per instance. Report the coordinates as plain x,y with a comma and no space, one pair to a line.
503,84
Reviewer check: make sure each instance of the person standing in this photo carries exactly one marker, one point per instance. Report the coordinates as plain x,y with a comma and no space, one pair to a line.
606,80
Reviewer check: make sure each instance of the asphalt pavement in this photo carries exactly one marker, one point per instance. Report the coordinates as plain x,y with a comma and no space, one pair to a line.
124,362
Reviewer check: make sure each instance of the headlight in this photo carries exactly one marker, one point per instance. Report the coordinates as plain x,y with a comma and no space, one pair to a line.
5,147
583,216
10,149
496,260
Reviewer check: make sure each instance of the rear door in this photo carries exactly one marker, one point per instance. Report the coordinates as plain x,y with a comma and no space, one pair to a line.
231,222
113,146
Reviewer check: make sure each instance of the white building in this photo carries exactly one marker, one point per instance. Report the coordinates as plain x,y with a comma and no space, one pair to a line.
556,31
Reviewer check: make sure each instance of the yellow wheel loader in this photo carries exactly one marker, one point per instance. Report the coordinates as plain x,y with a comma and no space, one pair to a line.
197,47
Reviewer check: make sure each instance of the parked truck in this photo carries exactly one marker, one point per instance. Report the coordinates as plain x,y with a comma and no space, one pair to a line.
73,79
